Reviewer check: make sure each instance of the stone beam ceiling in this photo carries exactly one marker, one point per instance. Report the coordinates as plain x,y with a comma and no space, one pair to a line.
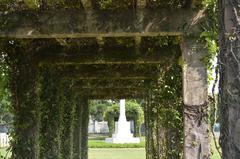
94,23
104,71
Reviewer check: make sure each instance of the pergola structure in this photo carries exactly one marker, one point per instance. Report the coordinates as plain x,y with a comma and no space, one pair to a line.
73,55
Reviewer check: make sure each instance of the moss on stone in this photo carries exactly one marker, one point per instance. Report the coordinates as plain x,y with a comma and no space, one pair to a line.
97,4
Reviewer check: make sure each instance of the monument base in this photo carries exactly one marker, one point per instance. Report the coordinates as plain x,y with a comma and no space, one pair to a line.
122,134
122,140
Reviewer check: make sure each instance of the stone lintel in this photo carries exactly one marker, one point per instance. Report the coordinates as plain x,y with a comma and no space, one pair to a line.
115,84
104,71
109,93
93,23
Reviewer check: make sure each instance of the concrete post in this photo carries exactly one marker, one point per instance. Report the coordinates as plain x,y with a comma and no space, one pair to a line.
196,141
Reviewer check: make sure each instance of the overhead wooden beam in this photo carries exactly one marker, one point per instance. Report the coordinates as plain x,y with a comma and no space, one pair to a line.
104,71
93,23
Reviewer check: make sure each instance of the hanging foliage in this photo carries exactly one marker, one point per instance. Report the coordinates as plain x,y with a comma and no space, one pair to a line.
163,115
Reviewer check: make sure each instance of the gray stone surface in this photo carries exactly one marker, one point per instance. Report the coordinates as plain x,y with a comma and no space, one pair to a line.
92,23
196,141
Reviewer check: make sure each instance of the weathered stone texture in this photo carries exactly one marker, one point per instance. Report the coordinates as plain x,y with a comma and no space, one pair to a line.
196,142
92,23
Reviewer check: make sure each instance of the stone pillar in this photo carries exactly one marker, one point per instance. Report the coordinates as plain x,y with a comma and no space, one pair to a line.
196,128
150,131
23,87
77,125
163,111
80,128
67,104
84,129
49,114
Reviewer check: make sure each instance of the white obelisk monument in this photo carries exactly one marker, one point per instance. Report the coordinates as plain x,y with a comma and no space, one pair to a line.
122,129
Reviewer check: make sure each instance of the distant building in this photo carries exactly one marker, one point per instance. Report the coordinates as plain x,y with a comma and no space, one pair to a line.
4,138
96,127
101,127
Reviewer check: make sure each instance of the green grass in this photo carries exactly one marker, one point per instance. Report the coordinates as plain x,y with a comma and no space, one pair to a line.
120,153
215,154
117,151
92,143
3,152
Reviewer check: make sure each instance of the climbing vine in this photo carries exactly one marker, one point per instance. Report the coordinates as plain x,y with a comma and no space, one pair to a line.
66,118
210,37
49,136
163,110
163,115
22,80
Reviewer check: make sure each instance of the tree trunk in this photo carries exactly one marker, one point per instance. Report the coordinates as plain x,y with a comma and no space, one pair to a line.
229,78
196,128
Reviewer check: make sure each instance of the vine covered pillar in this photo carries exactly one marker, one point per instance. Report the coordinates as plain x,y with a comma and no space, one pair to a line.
23,87
85,121
49,113
80,128
66,115
150,129
163,115
77,125
196,127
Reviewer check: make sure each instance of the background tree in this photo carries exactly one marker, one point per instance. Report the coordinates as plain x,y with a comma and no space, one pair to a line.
97,109
5,115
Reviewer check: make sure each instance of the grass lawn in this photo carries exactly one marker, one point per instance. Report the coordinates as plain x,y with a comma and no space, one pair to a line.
117,153
3,152
215,154
100,143
124,153
101,150
114,153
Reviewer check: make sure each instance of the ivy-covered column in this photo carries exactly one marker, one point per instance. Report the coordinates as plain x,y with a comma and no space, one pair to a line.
163,115
196,128
23,86
137,125
84,129
49,114
150,130
80,128
77,125
67,105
